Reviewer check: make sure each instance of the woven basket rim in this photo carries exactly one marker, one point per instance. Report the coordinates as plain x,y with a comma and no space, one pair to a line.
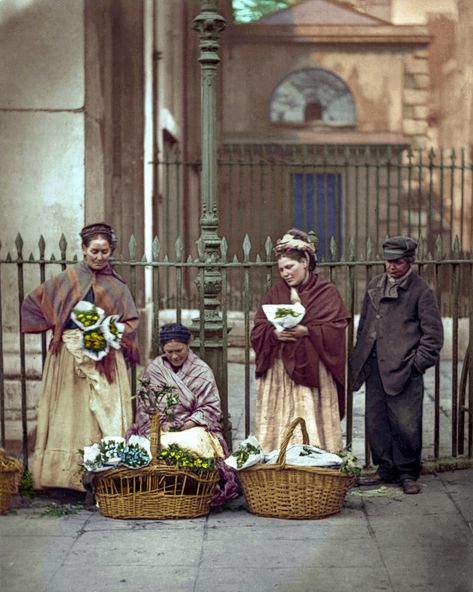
302,468
206,475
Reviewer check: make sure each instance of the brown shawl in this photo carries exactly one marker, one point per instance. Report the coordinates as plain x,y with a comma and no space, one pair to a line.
50,306
326,318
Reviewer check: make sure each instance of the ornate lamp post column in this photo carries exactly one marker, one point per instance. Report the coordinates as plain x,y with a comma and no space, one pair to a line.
208,331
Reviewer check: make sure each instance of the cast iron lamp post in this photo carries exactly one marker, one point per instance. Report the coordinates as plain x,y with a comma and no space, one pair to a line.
208,330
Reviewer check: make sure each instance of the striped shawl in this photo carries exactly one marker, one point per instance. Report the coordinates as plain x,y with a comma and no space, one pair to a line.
50,305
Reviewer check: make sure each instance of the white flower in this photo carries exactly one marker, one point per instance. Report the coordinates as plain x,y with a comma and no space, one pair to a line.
86,315
91,453
113,330
112,443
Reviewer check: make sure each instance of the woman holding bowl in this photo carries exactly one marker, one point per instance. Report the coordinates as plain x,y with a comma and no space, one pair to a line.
300,371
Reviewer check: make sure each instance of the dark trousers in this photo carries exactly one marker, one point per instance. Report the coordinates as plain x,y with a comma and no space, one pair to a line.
394,425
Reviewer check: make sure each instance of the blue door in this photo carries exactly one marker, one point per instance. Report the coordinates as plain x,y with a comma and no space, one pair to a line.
318,207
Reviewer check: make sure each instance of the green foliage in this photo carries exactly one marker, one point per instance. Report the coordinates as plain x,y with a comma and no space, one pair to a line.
152,398
245,11
26,488
243,452
350,464
282,311
175,455
58,510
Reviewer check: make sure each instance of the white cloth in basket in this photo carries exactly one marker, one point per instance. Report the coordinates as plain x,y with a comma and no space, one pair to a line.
196,440
311,456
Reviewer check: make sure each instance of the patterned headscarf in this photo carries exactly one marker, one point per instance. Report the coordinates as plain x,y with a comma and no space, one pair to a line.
174,332
297,240
289,242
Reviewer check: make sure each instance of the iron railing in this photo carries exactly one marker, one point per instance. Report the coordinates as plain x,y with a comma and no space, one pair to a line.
343,193
175,294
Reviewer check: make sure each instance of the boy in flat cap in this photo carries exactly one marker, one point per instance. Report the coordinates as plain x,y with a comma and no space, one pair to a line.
399,336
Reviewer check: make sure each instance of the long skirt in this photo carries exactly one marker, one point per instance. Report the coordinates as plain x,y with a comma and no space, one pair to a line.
77,408
279,400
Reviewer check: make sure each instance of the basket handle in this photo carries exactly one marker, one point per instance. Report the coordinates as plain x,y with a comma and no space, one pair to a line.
288,435
155,435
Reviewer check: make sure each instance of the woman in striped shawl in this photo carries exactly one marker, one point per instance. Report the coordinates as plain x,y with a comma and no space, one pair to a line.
198,399
82,399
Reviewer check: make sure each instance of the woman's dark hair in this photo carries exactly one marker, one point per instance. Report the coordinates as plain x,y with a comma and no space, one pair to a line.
297,255
98,230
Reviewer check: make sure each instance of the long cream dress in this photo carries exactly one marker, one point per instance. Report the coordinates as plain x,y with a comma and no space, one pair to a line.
279,400
77,407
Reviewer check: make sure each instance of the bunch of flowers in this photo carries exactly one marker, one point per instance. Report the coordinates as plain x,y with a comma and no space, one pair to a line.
154,399
243,452
284,316
99,333
350,463
248,453
87,318
175,455
114,451
285,311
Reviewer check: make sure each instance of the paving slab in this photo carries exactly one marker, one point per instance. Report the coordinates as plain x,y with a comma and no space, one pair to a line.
125,578
139,548
308,578
27,562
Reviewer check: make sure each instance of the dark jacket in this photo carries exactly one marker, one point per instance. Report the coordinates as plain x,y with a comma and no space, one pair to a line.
407,330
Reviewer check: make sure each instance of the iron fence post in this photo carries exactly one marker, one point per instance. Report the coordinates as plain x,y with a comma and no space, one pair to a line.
208,331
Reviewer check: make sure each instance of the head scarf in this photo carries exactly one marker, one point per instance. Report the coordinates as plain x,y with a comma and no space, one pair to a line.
294,242
174,332
99,228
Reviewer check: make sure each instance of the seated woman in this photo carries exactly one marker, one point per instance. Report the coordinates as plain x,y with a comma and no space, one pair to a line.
198,398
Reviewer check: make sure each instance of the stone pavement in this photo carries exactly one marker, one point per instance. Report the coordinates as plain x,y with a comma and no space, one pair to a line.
382,540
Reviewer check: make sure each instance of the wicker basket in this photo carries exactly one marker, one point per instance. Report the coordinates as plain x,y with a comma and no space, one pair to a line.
157,491
290,491
11,470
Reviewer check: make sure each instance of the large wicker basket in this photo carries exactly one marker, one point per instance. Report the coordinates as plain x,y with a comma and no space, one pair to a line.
157,491
11,470
295,492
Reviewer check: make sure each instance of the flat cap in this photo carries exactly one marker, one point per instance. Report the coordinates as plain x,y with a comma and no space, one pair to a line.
396,247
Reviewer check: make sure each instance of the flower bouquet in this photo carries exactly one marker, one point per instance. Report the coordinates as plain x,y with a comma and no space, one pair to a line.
94,344
249,453
175,455
99,333
113,451
284,316
86,315
350,464
113,330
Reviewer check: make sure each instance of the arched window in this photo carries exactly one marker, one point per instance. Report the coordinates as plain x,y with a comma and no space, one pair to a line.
313,95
